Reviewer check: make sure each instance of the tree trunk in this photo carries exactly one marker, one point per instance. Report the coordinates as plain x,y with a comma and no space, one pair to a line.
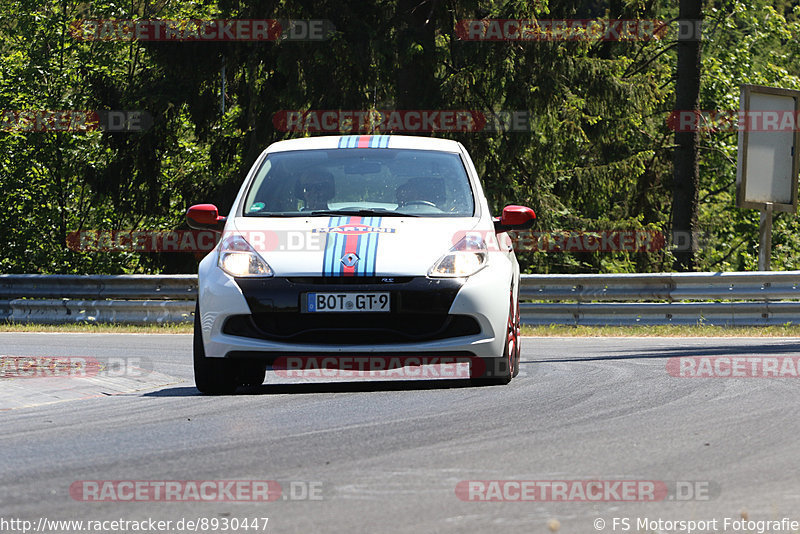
685,169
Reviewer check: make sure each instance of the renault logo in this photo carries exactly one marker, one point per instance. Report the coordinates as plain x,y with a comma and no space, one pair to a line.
349,259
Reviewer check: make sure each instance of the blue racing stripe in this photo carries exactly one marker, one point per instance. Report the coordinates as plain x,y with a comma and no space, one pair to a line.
372,250
328,257
341,241
369,269
360,249
363,245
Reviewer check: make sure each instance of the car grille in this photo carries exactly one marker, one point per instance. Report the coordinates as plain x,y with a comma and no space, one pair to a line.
350,328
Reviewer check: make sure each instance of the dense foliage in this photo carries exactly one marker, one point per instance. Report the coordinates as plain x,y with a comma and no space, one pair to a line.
597,159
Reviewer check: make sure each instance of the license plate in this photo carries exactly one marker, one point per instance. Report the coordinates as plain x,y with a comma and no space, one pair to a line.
348,302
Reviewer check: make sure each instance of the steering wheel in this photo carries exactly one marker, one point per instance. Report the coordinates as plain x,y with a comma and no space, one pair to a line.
420,203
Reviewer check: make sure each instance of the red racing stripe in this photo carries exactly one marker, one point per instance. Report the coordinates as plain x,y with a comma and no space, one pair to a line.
351,241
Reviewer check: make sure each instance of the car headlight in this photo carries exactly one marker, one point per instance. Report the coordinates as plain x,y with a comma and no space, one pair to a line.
466,258
238,258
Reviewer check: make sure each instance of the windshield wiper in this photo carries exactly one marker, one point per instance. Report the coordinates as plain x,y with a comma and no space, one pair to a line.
362,212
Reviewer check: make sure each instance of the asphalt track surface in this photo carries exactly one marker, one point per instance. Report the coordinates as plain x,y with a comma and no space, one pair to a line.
384,456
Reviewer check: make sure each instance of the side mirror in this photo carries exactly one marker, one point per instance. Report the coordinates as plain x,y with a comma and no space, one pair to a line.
515,218
205,217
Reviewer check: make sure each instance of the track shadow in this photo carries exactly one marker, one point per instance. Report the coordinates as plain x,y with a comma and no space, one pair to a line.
174,392
325,387
677,352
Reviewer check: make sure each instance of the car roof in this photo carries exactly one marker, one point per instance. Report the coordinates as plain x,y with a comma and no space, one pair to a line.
366,141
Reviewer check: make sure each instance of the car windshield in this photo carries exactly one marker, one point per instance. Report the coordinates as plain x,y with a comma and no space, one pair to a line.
389,182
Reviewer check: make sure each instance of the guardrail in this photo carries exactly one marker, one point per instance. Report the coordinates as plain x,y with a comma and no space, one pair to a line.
732,299
127,299
758,298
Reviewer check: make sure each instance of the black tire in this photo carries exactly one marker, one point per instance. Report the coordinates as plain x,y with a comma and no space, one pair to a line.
498,371
212,376
252,372
515,371
491,371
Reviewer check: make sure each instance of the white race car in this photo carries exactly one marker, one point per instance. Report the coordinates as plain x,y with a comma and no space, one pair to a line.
375,246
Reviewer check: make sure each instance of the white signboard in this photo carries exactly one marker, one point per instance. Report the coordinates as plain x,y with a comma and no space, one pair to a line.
768,161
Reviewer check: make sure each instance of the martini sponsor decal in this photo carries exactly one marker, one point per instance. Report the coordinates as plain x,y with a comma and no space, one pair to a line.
354,229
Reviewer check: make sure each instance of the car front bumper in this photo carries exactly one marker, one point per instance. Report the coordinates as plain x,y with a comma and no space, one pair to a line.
264,317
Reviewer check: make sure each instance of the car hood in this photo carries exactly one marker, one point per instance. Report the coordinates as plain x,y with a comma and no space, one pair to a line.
384,246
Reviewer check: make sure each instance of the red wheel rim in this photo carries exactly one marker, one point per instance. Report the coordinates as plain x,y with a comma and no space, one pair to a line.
512,344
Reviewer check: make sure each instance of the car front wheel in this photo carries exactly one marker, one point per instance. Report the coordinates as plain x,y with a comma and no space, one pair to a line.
499,371
212,376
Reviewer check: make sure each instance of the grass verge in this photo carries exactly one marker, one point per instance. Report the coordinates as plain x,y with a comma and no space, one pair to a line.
662,331
541,331
106,328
